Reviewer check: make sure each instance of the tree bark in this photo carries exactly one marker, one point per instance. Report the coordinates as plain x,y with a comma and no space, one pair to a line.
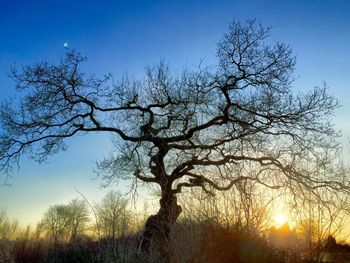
156,235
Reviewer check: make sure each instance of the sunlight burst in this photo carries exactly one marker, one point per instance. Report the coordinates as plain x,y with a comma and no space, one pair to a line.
280,220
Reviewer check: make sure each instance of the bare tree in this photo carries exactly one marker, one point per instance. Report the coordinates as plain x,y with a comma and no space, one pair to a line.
199,129
56,222
317,220
79,217
64,222
113,216
247,205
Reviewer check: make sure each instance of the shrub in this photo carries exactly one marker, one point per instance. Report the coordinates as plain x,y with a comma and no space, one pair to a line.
26,251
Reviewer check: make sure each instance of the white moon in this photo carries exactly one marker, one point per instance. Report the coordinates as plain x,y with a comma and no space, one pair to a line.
65,45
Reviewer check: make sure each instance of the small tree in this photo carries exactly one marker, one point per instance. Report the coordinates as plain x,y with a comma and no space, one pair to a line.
317,221
64,222
199,129
247,205
79,217
113,216
56,222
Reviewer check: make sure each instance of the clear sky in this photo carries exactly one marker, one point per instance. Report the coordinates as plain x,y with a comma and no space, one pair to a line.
125,36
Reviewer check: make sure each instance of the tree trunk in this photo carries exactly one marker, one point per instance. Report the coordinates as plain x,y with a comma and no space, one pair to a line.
155,239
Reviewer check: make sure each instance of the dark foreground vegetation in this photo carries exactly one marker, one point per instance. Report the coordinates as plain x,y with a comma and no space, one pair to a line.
190,242
210,230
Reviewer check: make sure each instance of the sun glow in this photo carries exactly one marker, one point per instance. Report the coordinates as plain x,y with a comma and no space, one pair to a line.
280,220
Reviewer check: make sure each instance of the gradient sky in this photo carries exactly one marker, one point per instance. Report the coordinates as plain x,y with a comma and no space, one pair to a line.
125,36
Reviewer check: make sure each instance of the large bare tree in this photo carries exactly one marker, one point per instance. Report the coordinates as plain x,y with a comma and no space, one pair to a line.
198,129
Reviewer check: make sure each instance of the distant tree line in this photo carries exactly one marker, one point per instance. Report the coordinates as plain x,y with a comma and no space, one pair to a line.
242,216
110,218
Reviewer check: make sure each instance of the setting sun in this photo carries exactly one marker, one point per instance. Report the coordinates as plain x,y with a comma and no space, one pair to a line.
280,220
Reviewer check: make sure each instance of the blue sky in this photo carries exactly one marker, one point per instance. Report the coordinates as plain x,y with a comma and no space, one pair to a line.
125,36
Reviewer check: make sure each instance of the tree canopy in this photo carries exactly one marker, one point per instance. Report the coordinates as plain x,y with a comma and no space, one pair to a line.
199,125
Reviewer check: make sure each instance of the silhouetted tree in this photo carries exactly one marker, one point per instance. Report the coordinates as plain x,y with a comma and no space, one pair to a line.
79,217
56,222
199,129
318,220
247,205
64,222
113,216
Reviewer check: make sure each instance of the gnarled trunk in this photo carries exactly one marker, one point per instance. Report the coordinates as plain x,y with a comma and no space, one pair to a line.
157,229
